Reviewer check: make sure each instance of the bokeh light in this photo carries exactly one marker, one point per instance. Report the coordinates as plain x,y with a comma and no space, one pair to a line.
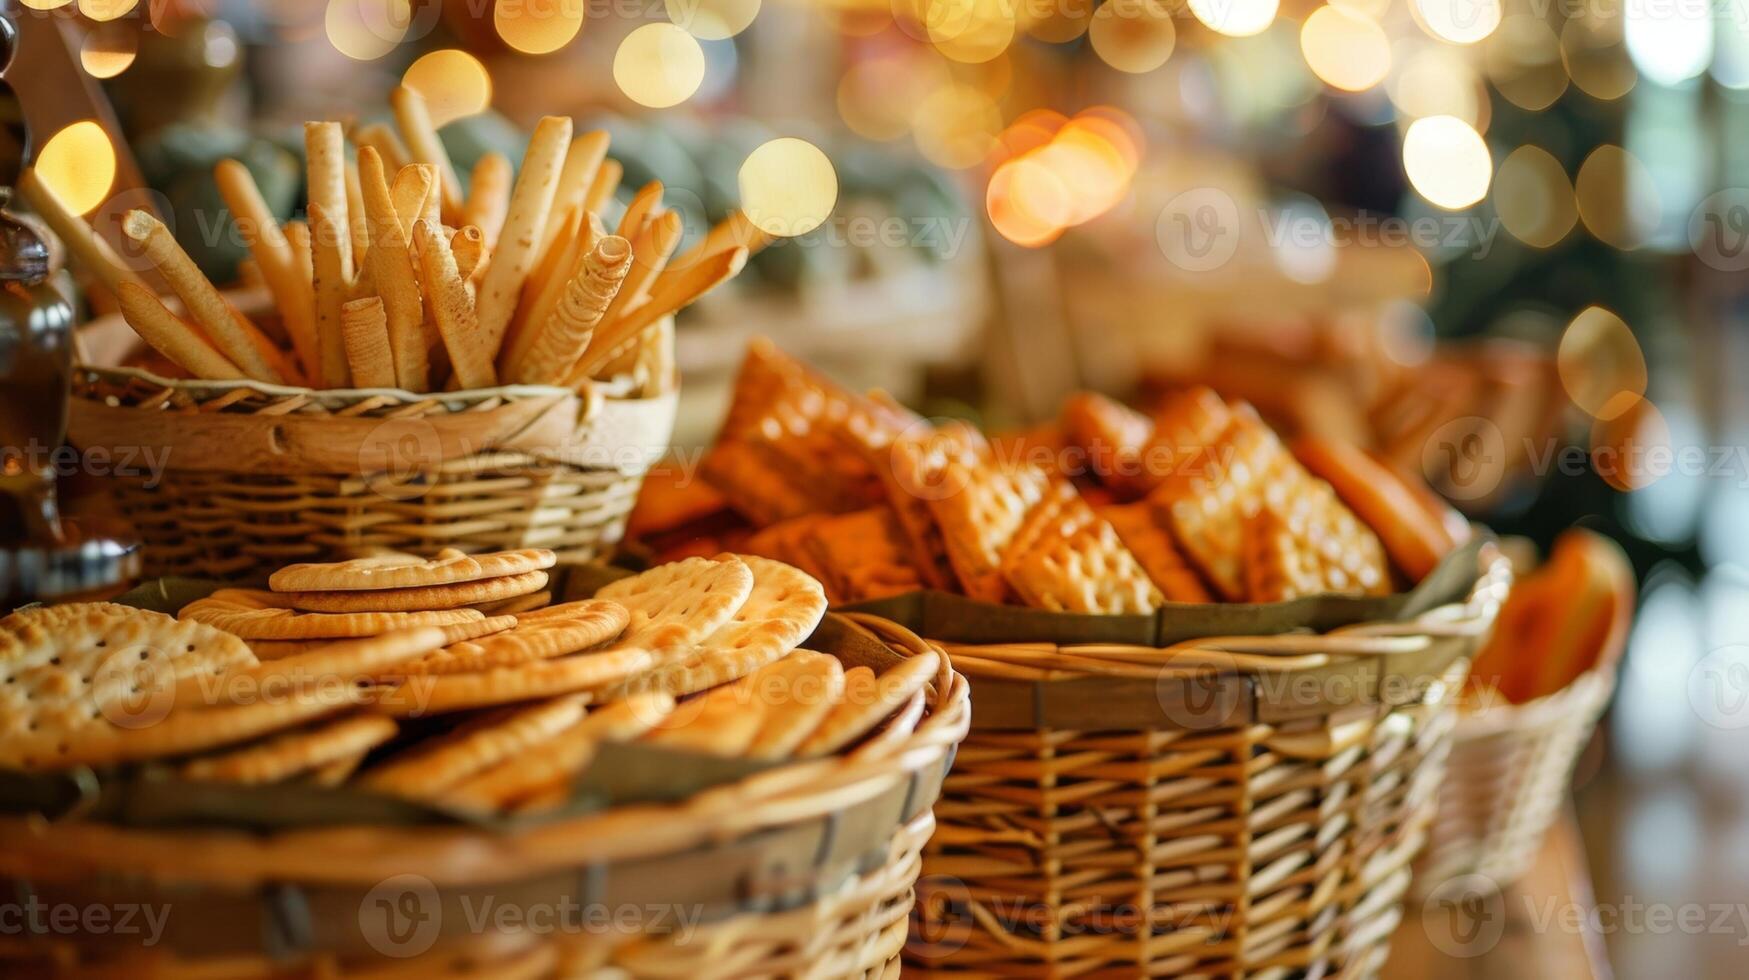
45,4
1523,60
1533,198
1447,161
454,83
1601,365
1062,21
878,97
711,20
109,50
1633,450
78,164
1345,49
1669,43
1054,173
1457,21
1027,202
956,126
788,187
1437,80
1235,18
1595,57
537,28
1617,199
658,65
1134,36
365,30
107,10
970,31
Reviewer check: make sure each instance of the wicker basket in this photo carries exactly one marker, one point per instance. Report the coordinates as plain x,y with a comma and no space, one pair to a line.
235,479
1251,811
803,870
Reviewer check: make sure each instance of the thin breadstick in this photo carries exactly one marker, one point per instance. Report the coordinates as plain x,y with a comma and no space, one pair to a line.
273,256
582,161
683,290
297,235
647,200
736,229
412,184
545,287
423,146
515,253
650,252
325,155
171,336
469,246
391,271
387,144
607,179
93,251
564,336
330,284
365,328
356,222
232,334
453,310
488,196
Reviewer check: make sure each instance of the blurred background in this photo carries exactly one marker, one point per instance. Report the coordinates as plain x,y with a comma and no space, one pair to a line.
1499,241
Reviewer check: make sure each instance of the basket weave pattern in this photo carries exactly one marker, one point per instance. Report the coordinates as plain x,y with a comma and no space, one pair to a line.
253,481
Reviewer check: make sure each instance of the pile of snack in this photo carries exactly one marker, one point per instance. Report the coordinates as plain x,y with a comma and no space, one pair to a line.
447,680
1107,511
1566,617
398,279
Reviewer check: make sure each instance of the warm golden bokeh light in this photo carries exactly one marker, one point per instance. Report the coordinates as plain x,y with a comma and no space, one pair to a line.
1523,60
1437,80
454,83
107,52
1447,161
878,98
45,4
711,20
1601,365
970,31
537,28
365,30
1633,450
1027,203
1055,173
1062,21
1235,18
1533,198
658,65
956,126
1617,200
788,187
78,164
1596,58
1345,49
1135,36
1457,21
104,10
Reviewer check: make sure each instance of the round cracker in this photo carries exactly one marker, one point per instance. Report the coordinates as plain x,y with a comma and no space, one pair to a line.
679,604
519,605
294,753
427,770
280,649
408,571
782,609
578,627
514,780
867,702
806,687
245,613
451,596
438,694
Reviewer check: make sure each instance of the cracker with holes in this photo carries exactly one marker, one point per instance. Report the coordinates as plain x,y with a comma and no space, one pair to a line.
1207,504
256,615
781,610
1145,537
1311,545
979,509
416,598
1066,558
800,691
400,571
786,541
291,754
427,770
868,700
678,604
541,635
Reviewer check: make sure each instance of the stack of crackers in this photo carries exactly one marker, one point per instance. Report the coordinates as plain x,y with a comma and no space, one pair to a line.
401,277
1105,511
453,681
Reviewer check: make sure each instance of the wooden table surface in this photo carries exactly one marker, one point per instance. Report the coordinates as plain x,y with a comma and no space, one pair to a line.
1534,929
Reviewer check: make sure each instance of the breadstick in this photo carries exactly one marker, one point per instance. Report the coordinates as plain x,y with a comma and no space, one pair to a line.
423,146
645,202
453,311
650,252
545,287
273,256
356,222
330,285
412,184
582,161
325,155
92,250
234,336
606,182
297,235
387,144
488,196
391,271
171,336
365,328
684,289
736,229
523,225
469,246
565,334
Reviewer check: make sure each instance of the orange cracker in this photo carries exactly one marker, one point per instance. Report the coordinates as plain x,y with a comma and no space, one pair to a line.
1137,528
1066,558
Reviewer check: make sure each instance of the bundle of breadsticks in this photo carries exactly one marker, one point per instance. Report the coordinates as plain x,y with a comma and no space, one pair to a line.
401,278
1105,511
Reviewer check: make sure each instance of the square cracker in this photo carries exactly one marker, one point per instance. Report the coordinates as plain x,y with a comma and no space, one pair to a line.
1111,437
864,555
1067,558
979,506
1140,531
1311,545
